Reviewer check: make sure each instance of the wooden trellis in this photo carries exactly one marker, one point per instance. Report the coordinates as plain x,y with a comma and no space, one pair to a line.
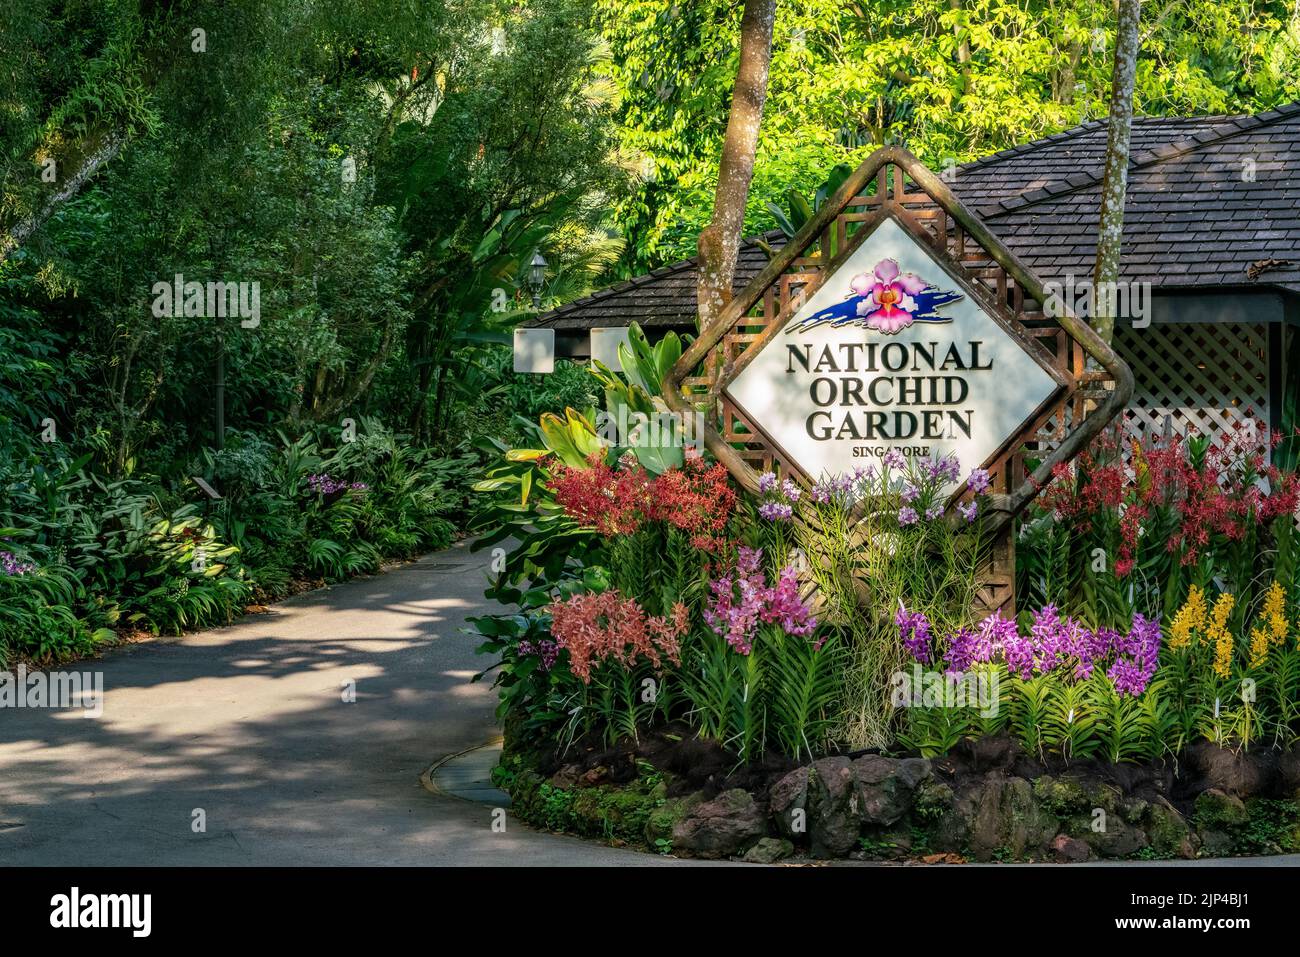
1203,378
892,183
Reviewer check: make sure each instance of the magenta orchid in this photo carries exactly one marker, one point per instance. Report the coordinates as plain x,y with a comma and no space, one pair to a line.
887,305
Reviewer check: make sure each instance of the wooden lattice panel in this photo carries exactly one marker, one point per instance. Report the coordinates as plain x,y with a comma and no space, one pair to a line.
1205,379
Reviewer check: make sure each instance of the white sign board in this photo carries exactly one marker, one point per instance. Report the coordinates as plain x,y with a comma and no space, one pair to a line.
605,343
534,350
890,352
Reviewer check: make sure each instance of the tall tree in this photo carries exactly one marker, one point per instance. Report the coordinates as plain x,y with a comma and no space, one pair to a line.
719,243
512,145
1114,187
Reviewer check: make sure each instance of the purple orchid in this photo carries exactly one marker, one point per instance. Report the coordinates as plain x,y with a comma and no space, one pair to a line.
776,511
915,631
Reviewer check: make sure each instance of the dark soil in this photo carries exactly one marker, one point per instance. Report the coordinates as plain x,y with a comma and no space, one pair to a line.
692,763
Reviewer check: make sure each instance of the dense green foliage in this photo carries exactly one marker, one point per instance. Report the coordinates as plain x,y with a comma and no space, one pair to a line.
951,81
377,174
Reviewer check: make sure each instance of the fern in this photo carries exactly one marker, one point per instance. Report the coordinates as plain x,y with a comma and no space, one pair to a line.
1120,730
666,698
934,731
634,562
685,578
747,730
1284,689
1029,711
803,685
1070,721
1211,719
1160,723
710,680
325,555
1179,683
992,717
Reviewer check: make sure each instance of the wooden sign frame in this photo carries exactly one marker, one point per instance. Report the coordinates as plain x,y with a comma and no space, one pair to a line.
1088,396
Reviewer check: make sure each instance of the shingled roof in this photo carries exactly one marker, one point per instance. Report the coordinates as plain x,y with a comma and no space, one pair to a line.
662,297
1194,219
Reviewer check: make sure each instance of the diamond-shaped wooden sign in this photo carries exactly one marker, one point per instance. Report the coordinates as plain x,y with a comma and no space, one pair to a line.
891,352
896,319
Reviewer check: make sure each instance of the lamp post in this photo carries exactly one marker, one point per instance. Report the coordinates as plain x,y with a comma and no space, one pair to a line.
536,277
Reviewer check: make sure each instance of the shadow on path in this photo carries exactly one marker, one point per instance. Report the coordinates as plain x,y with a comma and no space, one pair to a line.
248,724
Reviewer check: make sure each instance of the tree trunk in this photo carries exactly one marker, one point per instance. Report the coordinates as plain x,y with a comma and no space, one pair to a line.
105,152
1114,186
719,243
963,50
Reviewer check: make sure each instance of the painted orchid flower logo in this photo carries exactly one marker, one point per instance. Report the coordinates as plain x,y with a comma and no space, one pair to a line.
888,302
886,299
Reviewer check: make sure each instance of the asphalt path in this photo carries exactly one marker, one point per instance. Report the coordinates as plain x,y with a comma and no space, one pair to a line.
246,730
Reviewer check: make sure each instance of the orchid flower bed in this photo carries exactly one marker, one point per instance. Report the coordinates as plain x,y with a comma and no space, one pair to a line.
646,590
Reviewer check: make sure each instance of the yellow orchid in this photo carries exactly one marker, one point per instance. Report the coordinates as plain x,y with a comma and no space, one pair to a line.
1218,633
1189,619
1259,647
1275,613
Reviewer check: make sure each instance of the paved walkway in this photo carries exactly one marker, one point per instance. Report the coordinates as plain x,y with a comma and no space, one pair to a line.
248,724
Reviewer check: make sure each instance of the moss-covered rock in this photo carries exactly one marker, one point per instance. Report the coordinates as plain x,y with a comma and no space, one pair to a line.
1168,831
768,850
932,800
1132,810
1272,827
727,825
616,813
1009,824
1215,843
893,843
877,807
951,833
1062,796
662,819
835,806
1070,794
788,803
1115,837
1070,850
1217,810
885,787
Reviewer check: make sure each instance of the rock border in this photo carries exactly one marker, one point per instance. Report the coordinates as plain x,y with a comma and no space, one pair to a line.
875,807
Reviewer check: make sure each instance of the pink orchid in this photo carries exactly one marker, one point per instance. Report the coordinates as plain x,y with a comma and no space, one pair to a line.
887,296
